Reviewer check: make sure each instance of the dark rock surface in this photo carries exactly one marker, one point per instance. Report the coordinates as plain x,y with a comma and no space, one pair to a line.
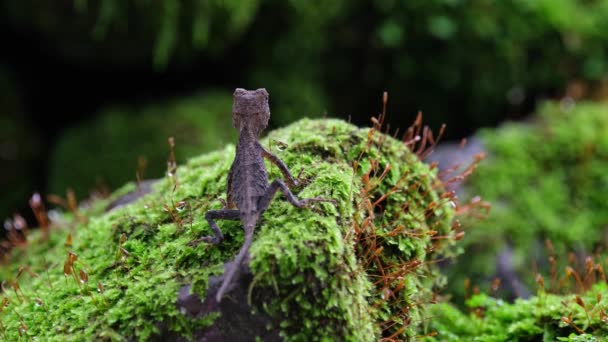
237,321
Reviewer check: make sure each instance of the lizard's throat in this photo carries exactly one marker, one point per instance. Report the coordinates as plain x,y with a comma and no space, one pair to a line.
248,134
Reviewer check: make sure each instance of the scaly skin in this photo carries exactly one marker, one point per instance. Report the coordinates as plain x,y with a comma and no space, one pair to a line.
249,194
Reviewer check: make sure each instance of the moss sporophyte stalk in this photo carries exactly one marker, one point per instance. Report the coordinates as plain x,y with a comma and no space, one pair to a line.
360,269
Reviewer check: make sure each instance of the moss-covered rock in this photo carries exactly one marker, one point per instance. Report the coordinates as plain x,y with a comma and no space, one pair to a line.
546,179
108,147
315,271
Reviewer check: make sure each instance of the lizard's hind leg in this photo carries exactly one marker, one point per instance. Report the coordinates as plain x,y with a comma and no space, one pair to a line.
291,198
211,216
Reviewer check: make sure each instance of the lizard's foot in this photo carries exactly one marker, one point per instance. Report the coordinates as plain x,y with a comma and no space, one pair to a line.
299,179
302,181
214,240
322,199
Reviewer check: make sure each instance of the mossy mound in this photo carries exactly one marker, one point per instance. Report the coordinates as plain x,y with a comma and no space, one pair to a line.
108,147
545,317
315,273
546,180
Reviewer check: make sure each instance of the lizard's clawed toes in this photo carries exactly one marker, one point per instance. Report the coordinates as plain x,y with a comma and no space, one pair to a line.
310,201
323,199
214,240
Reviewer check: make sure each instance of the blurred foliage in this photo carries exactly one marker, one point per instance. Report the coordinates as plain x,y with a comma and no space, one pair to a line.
167,33
133,32
107,148
19,146
547,179
544,317
465,61
481,58
287,46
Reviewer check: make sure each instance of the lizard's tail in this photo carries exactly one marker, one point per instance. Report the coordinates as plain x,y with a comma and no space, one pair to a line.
234,268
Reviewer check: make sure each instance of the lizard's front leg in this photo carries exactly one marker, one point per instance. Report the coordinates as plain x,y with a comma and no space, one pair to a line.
291,198
292,182
211,216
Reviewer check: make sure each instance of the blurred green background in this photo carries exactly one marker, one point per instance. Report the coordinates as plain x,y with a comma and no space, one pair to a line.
88,87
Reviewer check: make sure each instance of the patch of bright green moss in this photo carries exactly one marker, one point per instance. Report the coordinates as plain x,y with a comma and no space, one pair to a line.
311,275
547,179
541,318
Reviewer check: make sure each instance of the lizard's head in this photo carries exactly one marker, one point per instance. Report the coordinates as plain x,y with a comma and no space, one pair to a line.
250,110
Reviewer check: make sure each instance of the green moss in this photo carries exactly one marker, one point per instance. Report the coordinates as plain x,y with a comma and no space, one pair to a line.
546,180
311,274
537,319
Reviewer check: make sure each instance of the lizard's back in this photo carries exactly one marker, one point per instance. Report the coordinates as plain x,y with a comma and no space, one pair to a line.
249,178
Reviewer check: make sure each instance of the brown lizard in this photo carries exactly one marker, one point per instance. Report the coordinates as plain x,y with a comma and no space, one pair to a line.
248,192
